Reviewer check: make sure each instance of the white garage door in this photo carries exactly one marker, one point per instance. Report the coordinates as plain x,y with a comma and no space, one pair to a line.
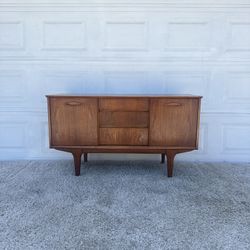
125,46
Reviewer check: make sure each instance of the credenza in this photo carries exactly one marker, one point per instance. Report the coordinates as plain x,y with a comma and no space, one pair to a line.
157,124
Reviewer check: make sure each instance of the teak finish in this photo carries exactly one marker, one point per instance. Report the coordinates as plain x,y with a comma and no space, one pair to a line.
123,136
165,125
178,116
121,119
73,121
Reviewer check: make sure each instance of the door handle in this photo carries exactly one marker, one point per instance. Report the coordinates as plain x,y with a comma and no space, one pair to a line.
173,104
73,103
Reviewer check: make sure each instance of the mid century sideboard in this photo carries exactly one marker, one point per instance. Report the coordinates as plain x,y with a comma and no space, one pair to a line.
161,124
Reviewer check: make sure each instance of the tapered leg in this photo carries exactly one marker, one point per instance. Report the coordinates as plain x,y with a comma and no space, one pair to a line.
170,162
77,160
162,158
85,157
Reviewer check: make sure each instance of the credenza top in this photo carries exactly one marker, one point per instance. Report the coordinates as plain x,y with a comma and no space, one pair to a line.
124,96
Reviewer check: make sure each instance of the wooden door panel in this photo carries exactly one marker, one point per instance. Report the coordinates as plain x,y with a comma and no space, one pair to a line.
73,121
123,136
173,122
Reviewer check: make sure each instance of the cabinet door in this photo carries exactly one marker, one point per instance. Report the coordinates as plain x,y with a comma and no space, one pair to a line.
173,122
73,121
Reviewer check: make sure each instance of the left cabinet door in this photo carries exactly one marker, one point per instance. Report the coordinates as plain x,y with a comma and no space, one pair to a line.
73,121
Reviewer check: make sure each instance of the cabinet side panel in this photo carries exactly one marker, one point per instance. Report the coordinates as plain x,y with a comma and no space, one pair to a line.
49,121
73,121
198,124
173,122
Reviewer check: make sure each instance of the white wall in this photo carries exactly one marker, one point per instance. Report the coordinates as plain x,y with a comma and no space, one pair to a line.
197,47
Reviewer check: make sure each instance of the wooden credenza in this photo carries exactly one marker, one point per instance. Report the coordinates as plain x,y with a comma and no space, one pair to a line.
165,125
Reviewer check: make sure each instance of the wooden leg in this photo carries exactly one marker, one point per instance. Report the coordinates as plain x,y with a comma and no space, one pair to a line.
171,153
170,162
162,158
77,160
85,157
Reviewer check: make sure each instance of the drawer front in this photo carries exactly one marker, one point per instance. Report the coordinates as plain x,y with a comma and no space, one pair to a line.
124,104
118,119
123,136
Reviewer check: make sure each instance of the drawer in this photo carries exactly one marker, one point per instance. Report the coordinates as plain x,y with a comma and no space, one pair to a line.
120,119
124,104
123,136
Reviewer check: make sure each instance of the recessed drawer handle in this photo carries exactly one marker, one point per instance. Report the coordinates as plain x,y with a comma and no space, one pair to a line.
175,104
73,103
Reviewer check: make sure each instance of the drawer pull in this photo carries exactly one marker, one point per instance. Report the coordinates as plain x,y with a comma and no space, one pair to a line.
174,104
73,103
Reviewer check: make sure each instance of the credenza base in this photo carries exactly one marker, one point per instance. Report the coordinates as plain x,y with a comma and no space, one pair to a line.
78,152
